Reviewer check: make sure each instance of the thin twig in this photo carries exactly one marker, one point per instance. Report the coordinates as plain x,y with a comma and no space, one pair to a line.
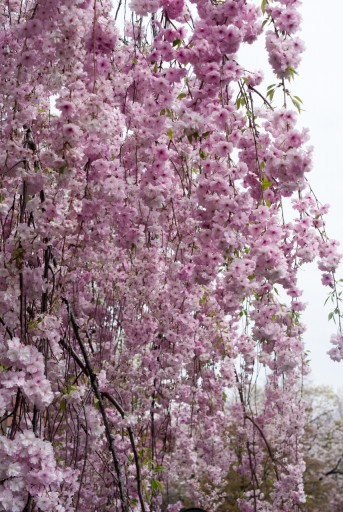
261,96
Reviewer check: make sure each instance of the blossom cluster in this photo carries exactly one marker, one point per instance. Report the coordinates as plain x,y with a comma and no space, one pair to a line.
23,369
28,467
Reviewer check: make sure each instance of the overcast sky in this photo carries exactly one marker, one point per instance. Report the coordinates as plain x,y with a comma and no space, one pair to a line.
319,86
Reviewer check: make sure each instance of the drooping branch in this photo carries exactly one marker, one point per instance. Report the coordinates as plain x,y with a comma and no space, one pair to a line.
97,393
116,404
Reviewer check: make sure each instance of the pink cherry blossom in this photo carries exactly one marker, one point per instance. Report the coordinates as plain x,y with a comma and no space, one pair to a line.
144,255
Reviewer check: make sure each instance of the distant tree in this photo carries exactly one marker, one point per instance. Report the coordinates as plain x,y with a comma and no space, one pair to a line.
323,442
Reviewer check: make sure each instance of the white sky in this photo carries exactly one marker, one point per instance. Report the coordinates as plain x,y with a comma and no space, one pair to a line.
318,85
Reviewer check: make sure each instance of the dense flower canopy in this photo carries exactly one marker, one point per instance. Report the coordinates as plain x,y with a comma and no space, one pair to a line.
148,275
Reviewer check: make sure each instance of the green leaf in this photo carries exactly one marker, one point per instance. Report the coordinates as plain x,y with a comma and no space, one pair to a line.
192,136
265,183
177,43
159,468
298,99
182,95
18,256
203,299
291,73
240,101
156,485
296,104
70,389
263,6
270,94
170,133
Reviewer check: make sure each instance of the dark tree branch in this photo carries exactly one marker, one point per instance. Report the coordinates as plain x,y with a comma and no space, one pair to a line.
95,387
335,470
121,411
